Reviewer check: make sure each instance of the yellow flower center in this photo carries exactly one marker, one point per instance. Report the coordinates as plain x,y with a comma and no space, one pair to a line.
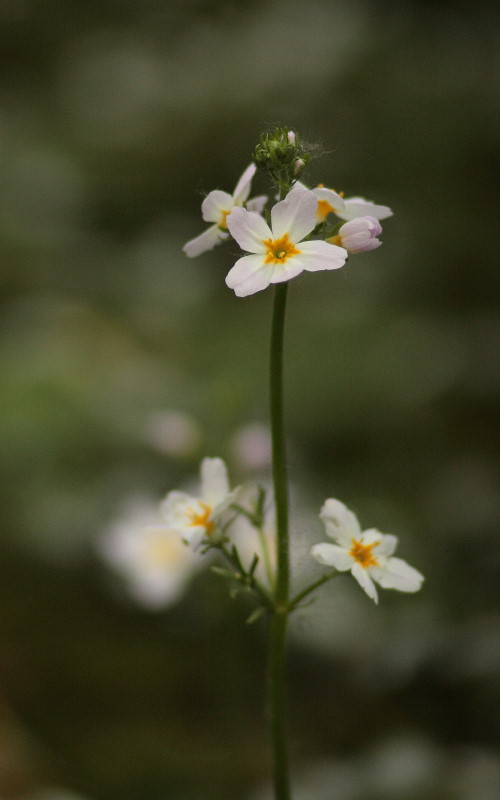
222,220
201,518
324,208
335,240
362,553
279,250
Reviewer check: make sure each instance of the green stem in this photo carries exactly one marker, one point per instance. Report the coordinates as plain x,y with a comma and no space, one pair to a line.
311,588
278,445
281,778
281,593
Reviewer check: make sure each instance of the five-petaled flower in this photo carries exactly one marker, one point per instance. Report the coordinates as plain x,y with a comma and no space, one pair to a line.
367,554
358,235
197,518
279,252
215,208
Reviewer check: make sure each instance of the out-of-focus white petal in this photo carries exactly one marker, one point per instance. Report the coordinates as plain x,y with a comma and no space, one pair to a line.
257,203
250,274
295,215
214,480
387,542
340,523
215,205
249,229
205,241
332,555
365,581
173,508
359,207
242,189
318,255
397,574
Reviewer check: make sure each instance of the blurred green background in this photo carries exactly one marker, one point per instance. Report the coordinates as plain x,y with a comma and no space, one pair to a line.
115,117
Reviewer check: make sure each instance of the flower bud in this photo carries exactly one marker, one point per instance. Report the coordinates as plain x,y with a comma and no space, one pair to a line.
358,235
281,154
299,166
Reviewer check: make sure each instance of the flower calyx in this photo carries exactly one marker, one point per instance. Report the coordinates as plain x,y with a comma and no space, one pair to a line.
282,156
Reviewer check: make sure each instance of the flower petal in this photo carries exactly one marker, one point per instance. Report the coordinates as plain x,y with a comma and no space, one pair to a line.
257,203
387,542
340,523
173,509
215,204
249,229
287,271
205,241
332,555
214,480
249,275
295,215
242,189
316,255
365,581
359,207
328,201
397,574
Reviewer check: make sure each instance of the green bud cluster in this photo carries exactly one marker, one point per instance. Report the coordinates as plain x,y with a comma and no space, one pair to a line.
282,156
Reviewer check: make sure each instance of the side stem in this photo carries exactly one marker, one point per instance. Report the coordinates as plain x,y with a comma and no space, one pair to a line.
281,594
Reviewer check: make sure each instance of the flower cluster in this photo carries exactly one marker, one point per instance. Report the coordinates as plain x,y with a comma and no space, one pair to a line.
298,234
158,551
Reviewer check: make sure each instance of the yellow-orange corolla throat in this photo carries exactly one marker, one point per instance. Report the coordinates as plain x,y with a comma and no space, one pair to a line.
203,518
324,208
362,553
223,217
279,250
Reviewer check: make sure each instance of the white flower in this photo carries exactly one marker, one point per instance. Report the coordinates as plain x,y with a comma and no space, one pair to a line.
359,207
215,208
196,518
358,235
154,561
328,200
367,554
278,253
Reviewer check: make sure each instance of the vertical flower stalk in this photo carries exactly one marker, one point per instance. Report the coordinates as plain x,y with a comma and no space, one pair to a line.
281,610
297,235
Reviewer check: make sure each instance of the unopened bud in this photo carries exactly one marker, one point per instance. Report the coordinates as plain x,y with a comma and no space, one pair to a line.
281,154
299,166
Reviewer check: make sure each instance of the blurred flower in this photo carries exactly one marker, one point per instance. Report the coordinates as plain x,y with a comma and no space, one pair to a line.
196,518
358,235
367,554
278,253
175,433
251,446
359,207
152,558
215,208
